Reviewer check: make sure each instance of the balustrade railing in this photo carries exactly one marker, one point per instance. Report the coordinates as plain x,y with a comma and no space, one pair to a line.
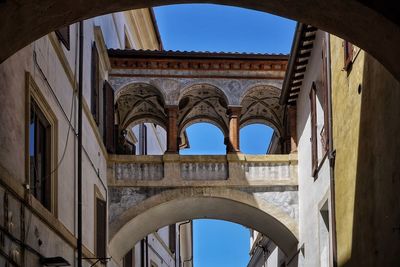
203,168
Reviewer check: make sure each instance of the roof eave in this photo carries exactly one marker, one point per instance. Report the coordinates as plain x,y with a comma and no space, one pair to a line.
291,64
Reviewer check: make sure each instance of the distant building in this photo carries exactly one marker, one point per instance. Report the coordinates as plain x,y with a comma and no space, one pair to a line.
264,253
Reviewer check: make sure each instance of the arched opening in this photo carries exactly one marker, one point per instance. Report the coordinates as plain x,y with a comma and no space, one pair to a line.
220,243
258,138
202,138
141,117
150,138
171,206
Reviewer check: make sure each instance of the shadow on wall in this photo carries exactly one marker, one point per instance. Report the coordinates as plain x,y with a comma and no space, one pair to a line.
376,222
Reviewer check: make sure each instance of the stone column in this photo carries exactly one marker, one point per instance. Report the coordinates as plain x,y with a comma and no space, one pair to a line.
234,117
292,114
172,129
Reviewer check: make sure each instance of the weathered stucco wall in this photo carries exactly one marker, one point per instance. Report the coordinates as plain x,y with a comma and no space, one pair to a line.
312,190
53,70
366,126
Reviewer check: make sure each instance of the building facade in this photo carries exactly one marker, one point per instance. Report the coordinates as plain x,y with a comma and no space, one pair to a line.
38,145
345,189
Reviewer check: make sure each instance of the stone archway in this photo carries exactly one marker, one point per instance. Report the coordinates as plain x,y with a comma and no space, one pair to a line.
171,206
372,25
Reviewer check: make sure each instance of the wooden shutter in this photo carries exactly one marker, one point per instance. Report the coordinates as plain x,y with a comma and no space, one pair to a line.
348,54
95,76
325,107
314,148
108,113
64,36
172,238
101,228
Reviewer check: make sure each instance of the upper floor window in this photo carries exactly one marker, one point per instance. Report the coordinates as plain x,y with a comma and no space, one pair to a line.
40,155
63,35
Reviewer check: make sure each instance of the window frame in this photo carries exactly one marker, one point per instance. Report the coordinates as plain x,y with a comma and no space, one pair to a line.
33,93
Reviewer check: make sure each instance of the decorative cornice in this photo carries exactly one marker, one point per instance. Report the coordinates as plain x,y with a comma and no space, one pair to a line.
198,65
197,61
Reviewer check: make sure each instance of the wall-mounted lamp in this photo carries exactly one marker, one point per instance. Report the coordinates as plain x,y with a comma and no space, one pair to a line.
54,261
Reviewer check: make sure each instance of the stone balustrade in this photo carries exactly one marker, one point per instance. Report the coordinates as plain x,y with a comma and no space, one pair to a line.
204,168
180,170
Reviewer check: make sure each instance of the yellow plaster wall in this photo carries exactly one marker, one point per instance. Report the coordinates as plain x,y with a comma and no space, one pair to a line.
346,117
366,126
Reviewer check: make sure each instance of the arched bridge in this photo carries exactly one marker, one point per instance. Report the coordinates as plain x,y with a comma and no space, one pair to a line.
148,192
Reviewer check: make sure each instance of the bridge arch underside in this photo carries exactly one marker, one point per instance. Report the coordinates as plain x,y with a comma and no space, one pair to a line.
177,205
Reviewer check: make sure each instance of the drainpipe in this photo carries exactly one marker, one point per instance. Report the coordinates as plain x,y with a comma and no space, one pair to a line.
332,154
179,232
80,89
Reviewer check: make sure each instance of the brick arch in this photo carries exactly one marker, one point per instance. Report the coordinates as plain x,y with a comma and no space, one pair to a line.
372,25
176,205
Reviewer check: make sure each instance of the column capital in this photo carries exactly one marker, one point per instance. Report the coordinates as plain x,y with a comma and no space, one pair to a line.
171,107
234,111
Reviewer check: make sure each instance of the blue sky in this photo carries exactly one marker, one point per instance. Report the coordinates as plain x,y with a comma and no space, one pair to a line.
215,28
201,27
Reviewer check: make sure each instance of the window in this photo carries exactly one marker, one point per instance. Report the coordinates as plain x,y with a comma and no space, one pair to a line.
95,84
41,148
101,228
348,54
129,258
314,147
64,36
39,153
323,225
172,238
